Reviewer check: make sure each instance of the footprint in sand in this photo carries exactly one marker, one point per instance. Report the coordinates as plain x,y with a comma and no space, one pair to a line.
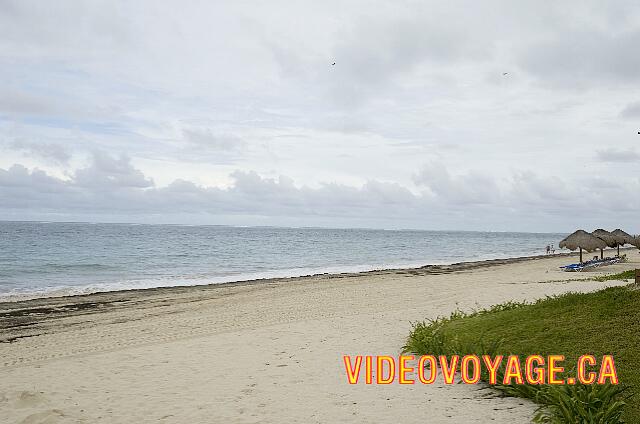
52,416
28,399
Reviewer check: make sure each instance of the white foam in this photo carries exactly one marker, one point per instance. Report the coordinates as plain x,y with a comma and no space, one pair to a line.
137,284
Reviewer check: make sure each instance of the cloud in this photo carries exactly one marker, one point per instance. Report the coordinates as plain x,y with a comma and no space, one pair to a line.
106,172
583,57
48,151
114,187
375,54
237,109
19,176
631,111
473,188
15,102
615,155
205,138
529,189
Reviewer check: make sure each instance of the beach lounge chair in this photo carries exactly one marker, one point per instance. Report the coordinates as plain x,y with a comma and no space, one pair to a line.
591,264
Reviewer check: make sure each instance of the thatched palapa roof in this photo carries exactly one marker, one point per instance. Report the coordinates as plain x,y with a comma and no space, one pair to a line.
584,240
606,236
621,237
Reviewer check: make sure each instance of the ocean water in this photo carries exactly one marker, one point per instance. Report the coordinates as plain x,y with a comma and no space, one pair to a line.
45,259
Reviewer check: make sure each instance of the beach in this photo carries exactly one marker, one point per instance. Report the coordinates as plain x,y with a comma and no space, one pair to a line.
260,351
252,212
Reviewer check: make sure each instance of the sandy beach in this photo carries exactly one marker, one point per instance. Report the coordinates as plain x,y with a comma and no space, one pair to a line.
266,351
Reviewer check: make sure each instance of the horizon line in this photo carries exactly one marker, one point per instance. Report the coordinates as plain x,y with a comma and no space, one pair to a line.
272,226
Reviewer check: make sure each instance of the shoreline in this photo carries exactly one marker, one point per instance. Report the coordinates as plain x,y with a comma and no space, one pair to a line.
429,268
423,269
261,351
16,316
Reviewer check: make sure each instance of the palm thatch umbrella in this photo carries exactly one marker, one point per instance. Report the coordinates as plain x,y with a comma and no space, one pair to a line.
607,237
582,240
622,238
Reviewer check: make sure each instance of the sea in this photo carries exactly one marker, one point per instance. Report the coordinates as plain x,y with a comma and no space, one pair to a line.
41,259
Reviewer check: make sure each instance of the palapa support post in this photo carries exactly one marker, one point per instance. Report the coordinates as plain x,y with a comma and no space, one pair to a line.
601,253
581,255
637,277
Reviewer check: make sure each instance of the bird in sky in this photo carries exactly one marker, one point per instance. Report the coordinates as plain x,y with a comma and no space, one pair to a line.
505,73
333,63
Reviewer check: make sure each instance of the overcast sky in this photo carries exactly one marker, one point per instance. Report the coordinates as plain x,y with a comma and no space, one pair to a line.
492,115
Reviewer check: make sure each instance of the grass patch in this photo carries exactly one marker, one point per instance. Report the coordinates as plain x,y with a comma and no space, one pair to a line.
626,275
599,323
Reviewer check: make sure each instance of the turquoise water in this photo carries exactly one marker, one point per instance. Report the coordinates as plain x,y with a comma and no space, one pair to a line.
40,259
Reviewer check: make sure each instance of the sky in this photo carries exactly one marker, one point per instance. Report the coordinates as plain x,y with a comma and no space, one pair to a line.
493,115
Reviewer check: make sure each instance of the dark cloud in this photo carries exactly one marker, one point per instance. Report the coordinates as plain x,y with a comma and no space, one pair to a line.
631,111
617,155
585,57
47,151
16,102
113,187
207,139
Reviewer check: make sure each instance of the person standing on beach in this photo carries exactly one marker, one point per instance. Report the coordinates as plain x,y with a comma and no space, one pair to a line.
548,249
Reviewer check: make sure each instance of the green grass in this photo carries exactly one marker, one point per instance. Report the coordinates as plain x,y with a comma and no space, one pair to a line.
626,275
603,322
